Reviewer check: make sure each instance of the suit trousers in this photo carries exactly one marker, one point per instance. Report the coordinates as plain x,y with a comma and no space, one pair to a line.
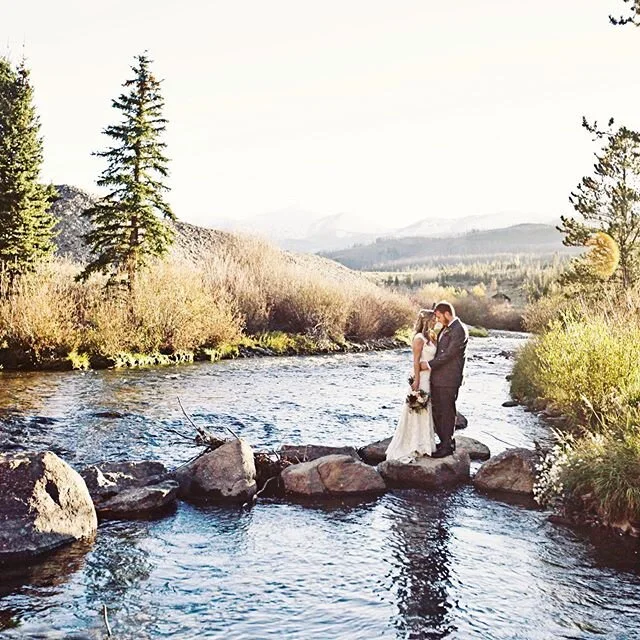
443,405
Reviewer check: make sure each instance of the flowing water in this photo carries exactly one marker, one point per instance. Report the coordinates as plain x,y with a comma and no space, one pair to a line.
408,564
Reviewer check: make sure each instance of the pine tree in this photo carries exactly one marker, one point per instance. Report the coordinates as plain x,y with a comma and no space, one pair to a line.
127,230
609,201
26,227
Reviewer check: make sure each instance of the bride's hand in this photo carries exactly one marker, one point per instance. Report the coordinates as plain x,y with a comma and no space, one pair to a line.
415,385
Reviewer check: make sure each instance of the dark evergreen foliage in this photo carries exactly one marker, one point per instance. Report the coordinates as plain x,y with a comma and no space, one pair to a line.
128,228
26,226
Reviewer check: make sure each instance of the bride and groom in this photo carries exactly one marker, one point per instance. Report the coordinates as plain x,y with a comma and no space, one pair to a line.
438,364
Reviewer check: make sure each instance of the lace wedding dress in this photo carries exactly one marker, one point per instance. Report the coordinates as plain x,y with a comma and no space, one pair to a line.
415,433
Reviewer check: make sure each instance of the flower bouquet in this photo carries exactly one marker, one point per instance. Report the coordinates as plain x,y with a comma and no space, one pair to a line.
418,400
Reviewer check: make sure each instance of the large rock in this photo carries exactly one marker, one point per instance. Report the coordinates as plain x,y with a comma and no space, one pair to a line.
138,501
461,421
44,504
332,475
308,452
512,470
107,479
129,489
476,449
426,472
228,473
375,452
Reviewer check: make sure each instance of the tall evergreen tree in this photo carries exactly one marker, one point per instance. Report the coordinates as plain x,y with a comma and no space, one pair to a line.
127,230
26,226
609,201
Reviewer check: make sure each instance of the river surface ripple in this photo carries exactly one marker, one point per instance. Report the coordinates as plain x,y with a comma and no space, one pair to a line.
409,564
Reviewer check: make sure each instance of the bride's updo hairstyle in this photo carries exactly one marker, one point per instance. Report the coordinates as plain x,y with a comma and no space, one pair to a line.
422,325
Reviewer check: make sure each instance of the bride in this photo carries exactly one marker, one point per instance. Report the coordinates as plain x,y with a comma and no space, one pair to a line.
415,434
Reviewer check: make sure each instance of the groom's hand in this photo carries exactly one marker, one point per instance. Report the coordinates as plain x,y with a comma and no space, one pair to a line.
424,366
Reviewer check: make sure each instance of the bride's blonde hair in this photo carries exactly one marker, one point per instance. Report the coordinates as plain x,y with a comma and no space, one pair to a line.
425,316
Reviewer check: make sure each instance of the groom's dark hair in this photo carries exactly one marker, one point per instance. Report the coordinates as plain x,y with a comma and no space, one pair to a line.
445,307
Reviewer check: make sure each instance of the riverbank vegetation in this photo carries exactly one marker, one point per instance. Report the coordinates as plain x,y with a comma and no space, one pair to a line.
249,294
583,364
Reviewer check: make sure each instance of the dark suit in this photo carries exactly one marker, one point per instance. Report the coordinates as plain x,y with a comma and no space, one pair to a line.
447,368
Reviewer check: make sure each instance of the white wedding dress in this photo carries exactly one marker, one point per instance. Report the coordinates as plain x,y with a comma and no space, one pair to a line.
415,433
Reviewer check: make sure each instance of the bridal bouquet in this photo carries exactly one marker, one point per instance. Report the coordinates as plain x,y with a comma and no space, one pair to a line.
418,400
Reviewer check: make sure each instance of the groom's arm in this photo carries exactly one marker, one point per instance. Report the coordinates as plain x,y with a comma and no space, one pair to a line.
456,342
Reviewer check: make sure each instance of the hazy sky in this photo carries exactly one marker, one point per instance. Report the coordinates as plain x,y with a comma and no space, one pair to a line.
387,110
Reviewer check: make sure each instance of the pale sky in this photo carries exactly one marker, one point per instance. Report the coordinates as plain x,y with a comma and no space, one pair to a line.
390,110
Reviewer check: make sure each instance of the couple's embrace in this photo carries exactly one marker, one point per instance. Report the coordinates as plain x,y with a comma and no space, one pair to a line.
430,407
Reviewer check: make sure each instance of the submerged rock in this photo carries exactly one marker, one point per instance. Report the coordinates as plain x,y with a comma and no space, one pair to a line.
461,422
427,472
512,470
226,474
332,475
44,504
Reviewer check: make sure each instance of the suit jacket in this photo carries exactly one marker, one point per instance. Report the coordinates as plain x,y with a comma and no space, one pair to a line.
447,365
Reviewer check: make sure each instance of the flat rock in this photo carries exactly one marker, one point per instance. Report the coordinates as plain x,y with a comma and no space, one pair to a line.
308,452
375,452
226,474
107,479
427,472
139,501
510,403
476,449
513,470
44,504
332,475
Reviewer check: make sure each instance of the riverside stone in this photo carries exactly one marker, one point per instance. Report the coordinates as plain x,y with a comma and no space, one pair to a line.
44,504
308,452
332,475
107,479
376,452
226,474
476,449
512,470
137,501
426,472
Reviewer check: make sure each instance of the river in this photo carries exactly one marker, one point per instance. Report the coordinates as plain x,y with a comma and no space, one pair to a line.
408,564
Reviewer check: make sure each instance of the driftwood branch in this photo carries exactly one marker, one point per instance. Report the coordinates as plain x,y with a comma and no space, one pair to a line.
500,439
106,620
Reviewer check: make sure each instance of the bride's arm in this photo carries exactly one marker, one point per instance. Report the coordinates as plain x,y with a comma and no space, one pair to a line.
416,347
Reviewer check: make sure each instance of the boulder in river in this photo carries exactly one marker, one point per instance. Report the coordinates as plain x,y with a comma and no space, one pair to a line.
427,472
44,504
226,474
129,489
461,421
308,452
138,501
332,475
476,449
376,452
512,470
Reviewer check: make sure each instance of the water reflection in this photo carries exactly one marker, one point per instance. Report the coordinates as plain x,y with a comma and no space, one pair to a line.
420,533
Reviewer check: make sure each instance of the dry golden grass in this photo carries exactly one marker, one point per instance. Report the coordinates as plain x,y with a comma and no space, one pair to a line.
246,286
475,308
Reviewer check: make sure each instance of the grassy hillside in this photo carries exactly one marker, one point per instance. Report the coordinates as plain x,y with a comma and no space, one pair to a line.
540,240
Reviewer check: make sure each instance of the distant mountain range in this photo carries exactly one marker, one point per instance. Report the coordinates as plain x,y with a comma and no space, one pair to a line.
541,240
308,232
439,242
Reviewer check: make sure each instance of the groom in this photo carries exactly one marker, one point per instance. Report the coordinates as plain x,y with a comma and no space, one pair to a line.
446,375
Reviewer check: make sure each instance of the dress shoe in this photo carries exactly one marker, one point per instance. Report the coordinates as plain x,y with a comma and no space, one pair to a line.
444,450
